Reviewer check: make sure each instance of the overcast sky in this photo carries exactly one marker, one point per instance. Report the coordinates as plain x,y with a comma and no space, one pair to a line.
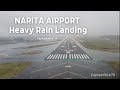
97,22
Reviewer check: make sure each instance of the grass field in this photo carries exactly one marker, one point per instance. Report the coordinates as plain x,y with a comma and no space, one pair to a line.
102,44
30,53
8,70
36,46
114,64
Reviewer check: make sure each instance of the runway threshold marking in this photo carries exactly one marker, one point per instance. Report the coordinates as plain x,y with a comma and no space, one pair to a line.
68,56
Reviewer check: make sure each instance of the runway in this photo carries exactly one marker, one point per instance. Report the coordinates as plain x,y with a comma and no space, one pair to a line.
68,50
68,61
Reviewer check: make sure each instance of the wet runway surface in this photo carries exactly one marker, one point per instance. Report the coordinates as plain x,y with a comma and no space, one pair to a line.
68,50
68,61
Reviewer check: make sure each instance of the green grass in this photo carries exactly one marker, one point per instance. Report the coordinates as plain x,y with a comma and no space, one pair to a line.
114,64
9,70
30,53
100,44
35,46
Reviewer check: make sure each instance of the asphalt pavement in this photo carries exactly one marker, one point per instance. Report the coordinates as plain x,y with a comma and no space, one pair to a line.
68,50
68,61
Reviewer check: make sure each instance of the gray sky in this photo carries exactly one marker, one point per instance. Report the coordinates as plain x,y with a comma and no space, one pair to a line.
97,22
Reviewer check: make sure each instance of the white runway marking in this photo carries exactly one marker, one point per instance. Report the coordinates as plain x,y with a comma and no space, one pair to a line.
73,46
88,67
85,56
49,56
78,75
68,66
79,56
68,56
72,56
58,74
82,56
47,68
53,56
65,56
68,72
58,56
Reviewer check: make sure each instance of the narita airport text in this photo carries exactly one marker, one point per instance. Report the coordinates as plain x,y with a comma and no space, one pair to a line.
49,20
37,30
